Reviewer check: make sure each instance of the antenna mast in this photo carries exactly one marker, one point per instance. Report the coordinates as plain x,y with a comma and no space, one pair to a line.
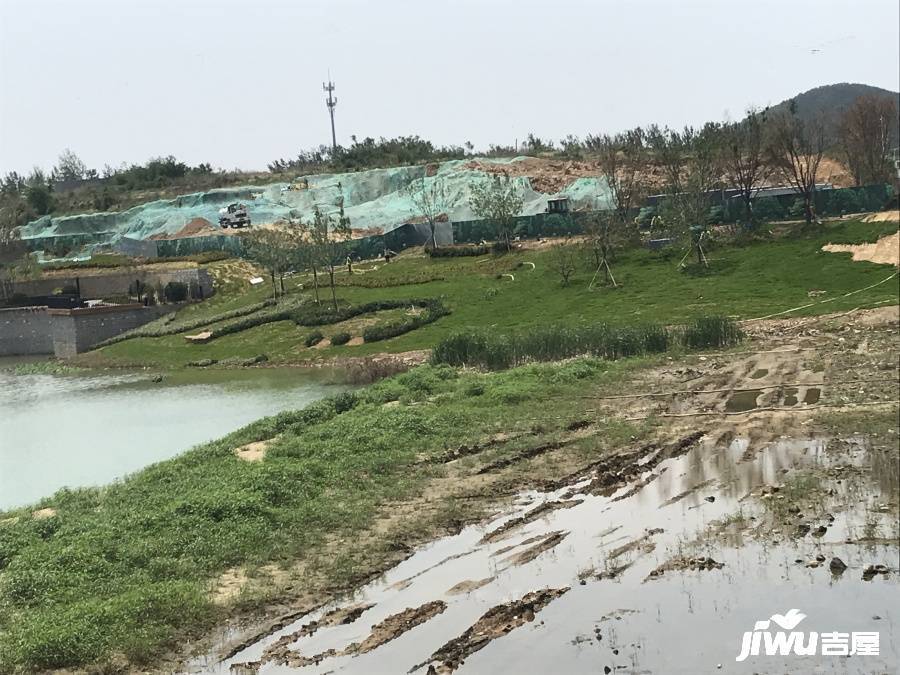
331,103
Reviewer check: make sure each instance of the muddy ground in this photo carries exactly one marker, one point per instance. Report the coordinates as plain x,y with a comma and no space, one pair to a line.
768,480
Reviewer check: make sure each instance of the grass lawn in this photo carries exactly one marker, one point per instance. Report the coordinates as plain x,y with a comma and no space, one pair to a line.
744,282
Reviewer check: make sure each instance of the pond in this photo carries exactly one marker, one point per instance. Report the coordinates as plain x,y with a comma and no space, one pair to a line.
80,430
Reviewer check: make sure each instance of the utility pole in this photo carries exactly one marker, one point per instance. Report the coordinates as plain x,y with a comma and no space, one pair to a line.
331,102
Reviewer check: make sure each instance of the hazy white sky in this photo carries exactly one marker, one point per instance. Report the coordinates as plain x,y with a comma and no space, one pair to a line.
238,83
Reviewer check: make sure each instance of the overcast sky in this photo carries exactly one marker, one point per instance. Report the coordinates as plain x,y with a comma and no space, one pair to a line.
239,83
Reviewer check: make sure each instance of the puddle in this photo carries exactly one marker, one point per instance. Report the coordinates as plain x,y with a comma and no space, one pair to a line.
812,396
585,599
790,396
760,373
742,401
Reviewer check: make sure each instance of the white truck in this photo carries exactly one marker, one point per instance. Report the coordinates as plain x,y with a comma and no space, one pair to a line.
234,215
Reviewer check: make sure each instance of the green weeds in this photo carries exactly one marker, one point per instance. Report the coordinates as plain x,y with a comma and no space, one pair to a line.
552,343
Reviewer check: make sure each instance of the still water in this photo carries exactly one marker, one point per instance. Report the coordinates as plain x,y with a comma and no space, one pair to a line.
75,431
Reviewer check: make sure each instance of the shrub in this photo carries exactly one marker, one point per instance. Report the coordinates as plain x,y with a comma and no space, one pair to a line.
645,216
371,369
843,201
768,208
474,388
314,338
340,338
797,209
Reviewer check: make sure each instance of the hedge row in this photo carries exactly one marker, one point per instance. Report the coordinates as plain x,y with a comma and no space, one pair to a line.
457,251
434,309
169,327
323,314
258,319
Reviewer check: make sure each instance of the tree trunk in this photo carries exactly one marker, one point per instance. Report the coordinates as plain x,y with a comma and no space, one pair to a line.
281,280
333,296
808,208
433,239
316,283
274,287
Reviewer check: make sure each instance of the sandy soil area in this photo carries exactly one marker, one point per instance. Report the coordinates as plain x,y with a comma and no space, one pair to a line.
885,251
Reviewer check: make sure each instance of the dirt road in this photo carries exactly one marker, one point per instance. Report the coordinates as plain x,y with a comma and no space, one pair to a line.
772,484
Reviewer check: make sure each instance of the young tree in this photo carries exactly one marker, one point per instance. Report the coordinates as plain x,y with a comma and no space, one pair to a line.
329,241
69,167
270,249
12,185
432,201
743,158
795,148
866,134
497,201
38,192
564,258
669,154
689,160
622,161
14,212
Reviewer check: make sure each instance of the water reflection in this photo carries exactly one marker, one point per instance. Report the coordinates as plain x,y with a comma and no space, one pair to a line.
60,431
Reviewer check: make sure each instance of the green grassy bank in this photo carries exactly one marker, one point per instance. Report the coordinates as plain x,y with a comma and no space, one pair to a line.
760,278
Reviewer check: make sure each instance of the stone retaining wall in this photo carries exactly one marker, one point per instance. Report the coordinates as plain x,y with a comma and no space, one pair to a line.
64,333
25,331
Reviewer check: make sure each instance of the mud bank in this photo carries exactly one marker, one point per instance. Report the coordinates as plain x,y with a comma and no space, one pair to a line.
657,558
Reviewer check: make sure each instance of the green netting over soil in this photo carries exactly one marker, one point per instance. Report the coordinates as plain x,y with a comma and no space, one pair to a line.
375,200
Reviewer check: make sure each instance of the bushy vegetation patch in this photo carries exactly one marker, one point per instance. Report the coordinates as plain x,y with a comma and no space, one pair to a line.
710,331
496,351
341,338
314,338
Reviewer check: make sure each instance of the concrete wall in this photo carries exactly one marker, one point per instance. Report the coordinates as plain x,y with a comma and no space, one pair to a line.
117,283
77,330
25,331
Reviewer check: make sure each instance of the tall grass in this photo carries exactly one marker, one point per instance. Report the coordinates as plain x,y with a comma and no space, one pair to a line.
498,351
711,331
